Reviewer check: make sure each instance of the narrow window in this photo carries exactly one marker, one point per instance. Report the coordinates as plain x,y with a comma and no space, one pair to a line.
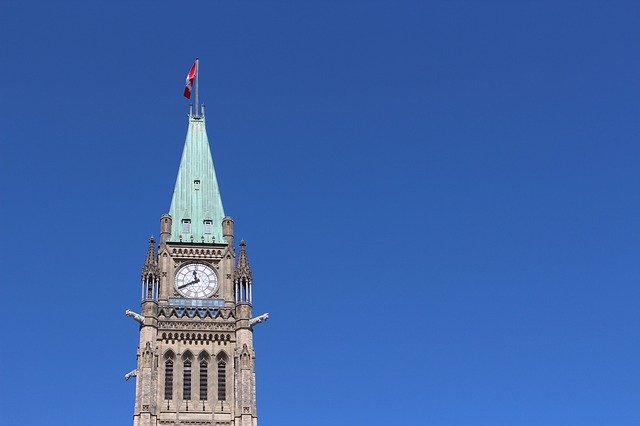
203,380
186,226
149,289
168,379
208,226
222,381
186,384
196,184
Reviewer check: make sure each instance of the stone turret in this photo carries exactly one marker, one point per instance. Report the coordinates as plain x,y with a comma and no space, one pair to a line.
245,408
227,230
242,276
146,407
150,267
165,228
150,275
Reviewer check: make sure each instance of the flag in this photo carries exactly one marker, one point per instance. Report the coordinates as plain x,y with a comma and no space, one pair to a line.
189,83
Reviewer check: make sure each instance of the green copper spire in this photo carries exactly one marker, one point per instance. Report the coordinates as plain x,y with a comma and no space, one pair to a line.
196,206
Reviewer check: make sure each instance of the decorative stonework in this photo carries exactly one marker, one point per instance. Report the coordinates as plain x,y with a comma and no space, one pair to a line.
192,312
197,337
196,253
180,325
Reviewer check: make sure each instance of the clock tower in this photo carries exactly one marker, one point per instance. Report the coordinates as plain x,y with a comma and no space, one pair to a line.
195,357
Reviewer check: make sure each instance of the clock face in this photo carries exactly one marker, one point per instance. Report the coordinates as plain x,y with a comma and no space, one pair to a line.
196,280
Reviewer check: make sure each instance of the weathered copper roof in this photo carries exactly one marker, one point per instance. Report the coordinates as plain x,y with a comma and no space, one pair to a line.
196,196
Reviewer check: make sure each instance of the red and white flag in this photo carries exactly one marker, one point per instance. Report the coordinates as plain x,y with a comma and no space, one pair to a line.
189,84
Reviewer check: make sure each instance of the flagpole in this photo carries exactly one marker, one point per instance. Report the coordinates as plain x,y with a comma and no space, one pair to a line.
197,84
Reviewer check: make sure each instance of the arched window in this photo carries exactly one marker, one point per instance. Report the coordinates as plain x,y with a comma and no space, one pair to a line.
204,370
222,380
221,361
168,379
186,379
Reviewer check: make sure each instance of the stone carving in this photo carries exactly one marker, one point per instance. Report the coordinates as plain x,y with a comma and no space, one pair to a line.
171,325
134,315
197,253
146,354
130,374
259,319
202,312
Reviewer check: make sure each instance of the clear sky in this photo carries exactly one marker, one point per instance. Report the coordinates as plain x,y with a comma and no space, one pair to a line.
440,201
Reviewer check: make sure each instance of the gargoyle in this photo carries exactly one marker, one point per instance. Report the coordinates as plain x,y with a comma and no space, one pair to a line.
259,319
130,374
134,315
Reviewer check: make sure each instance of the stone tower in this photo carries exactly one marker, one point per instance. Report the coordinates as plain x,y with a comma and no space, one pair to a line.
195,358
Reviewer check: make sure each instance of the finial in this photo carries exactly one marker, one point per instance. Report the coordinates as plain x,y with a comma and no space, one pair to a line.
243,243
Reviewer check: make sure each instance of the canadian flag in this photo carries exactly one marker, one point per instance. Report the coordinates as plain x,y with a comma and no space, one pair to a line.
189,83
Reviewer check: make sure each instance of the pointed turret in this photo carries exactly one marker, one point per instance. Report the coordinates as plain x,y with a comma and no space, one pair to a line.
243,270
242,276
196,207
150,268
150,273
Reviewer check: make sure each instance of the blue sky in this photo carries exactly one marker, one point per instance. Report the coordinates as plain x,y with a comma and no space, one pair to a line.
440,201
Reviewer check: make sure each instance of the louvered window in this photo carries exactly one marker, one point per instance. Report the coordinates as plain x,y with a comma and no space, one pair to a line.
222,381
186,383
168,379
203,380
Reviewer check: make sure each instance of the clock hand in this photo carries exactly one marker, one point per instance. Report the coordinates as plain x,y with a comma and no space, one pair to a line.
197,280
187,284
